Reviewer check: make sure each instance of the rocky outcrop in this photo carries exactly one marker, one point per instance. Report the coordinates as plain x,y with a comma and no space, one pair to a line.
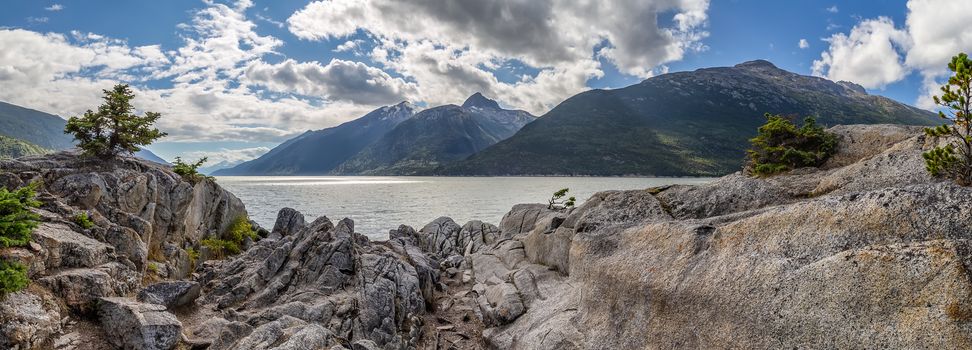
171,294
144,218
866,252
321,284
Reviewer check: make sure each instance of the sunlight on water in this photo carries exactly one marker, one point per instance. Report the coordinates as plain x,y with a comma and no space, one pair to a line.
378,204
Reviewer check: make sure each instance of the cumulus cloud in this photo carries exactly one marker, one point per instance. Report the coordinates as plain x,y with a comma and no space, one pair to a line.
803,44
868,56
339,80
55,7
462,43
877,53
833,9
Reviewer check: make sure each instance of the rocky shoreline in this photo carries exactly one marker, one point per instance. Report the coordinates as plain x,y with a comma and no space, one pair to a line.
867,251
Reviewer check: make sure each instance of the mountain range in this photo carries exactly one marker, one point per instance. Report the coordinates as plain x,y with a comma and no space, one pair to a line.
395,140
320,151
33,131
694,123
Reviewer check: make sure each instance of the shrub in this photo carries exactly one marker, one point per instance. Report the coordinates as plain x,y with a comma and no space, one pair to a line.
114,128
189,171
232,240
16,220
557,201
193,258
153,268
780,146
13,277
954,160
83,220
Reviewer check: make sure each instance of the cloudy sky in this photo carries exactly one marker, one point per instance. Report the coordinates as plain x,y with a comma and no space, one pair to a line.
235,78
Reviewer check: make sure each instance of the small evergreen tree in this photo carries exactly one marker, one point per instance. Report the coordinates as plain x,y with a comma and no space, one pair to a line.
189,171
780,145
954,160
16,220
557,201
114,128
16,225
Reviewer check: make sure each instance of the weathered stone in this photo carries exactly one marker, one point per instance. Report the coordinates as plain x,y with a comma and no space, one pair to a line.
28,320
141,326
523,217
172,294
66,248
289,221
80,288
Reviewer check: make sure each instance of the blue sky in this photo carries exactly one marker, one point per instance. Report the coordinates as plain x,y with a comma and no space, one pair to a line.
234,78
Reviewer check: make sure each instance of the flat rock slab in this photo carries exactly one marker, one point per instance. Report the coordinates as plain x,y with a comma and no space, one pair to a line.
172,294
67,248
130,324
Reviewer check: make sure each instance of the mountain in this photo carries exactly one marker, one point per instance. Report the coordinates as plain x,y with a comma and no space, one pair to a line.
45,130
437,136
320,151
36,127
11,148
678,124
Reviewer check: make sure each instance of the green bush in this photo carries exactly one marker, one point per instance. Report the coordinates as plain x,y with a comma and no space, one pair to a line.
114,128
13,277
83,220
16,220
780,146
232,240
189,171
954,160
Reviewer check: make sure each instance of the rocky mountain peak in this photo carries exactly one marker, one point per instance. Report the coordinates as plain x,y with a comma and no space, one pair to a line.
757,64
480,101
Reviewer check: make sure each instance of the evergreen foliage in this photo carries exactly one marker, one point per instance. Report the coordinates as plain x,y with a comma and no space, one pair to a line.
557,201
13,277
780,146
189,171
16,220
954,160
114,128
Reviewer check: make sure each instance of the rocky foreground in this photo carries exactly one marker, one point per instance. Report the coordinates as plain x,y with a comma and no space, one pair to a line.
866,252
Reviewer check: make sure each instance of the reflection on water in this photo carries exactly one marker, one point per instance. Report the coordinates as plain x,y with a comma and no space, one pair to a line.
378,204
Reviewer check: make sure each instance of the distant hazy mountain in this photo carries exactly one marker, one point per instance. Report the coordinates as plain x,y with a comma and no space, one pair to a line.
14,148
437,136
686,123
45,130
320,151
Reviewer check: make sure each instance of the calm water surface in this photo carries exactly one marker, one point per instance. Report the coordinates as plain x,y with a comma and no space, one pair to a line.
379,204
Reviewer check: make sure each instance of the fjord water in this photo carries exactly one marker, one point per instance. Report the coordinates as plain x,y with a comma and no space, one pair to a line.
379,204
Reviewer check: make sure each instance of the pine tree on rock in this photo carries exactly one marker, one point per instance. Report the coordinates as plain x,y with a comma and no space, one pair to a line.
114,128
954,160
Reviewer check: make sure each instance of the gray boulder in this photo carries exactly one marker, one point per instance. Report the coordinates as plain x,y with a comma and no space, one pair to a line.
28,320
172,294
133,325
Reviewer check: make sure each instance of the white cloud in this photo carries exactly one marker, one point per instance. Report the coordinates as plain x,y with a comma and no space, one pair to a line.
210,98
226,156
868,56
339,80
803,44
55,7
450,49
876,53
833,9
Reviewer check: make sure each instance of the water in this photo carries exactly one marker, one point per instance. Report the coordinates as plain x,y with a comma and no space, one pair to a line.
379,204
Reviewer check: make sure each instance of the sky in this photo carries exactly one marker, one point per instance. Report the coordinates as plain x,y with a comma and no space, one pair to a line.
235,78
